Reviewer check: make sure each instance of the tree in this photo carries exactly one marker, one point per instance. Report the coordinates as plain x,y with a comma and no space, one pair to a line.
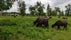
53,13
39,8
49,10
22,8
5,4
32,10
62,13
68,10
57,9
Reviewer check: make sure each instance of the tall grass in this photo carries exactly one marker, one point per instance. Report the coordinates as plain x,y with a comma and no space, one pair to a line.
26,30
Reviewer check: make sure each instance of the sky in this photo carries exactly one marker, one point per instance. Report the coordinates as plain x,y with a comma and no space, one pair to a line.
53,3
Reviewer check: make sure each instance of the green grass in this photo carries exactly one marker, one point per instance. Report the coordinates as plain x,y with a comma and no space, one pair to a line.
25,30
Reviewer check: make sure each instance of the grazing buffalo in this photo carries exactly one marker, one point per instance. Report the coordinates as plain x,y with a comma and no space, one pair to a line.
50,17
64,17
41,21
60,23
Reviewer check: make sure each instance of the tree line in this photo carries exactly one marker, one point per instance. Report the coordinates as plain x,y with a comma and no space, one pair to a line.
36,10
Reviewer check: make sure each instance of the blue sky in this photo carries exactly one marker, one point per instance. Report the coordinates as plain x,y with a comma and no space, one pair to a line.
53,3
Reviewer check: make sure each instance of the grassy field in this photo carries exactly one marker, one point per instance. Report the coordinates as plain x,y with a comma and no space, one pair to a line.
22,28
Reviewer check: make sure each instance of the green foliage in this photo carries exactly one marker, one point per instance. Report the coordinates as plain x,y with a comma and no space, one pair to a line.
5,35
68,10
49,10
5,4
32,10
61,13
57,9
7,22
22,8
26,30
54,13
39,8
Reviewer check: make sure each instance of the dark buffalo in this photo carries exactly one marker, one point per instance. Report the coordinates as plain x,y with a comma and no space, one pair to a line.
41,21
50,17
60,23
64,18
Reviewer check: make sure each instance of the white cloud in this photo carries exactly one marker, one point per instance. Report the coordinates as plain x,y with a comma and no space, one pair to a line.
53,3
14,7
62,6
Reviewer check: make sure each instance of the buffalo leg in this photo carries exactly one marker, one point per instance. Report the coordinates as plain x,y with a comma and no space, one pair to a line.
65,27
58,27
47,26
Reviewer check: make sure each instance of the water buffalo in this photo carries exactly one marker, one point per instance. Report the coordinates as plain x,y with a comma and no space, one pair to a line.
50,17
41,21
60,23
64,17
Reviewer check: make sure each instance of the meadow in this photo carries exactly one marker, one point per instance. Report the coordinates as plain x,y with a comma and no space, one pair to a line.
22,28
